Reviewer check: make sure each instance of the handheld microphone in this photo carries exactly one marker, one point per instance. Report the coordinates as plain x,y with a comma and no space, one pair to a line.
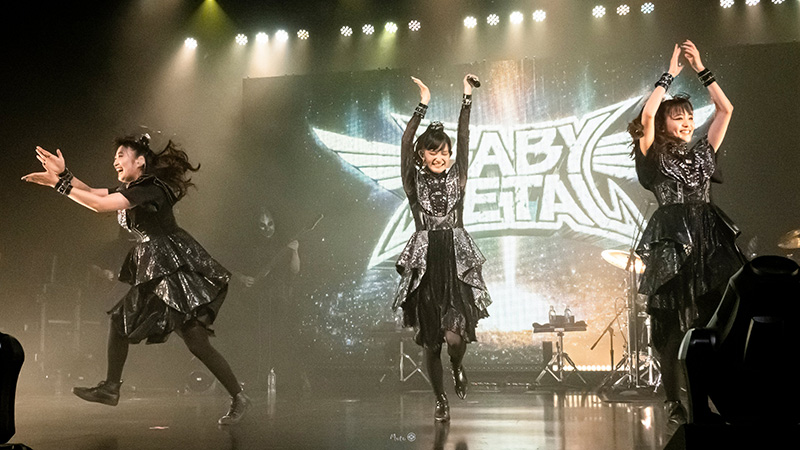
474,81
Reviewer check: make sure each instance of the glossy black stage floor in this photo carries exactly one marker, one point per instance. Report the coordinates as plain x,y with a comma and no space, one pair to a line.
509,418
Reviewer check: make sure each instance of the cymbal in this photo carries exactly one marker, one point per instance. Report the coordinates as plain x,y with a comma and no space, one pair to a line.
790,240
619,259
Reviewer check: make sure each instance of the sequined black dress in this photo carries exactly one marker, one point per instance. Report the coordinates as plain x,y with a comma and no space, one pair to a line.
688,247
173,279
441,286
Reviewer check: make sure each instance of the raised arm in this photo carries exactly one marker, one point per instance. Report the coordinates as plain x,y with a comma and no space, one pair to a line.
723,107
462,138
407,166
654,101
56,164
87,198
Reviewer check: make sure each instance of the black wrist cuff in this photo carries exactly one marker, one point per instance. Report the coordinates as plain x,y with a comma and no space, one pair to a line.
421,109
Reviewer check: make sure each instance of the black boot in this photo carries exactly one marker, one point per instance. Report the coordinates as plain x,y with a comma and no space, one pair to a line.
105,393
461,382
442,411
240,403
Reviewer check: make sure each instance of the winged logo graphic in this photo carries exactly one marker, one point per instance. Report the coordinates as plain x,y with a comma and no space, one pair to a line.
524,179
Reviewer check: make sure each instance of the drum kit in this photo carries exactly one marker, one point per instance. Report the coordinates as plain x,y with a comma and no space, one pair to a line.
638,369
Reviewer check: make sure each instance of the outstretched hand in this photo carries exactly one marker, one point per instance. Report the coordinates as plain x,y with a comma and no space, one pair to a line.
675,66
424,92
50,162
692,55
45,178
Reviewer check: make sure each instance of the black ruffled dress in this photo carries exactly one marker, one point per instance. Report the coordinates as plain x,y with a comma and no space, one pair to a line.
441,286
688,247
173,279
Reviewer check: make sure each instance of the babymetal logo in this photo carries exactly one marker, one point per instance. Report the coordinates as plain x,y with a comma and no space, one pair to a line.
524,179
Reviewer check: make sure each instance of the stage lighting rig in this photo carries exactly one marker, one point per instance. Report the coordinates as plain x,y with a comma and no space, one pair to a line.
493,19
190,43
539,15
241,39
414,25
346,31
470,22
623,10
516,17
599,11
648,7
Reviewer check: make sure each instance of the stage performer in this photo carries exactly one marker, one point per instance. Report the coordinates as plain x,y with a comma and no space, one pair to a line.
441,291
175,284
688,247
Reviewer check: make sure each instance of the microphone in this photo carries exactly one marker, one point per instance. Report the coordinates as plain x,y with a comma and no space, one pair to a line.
473,81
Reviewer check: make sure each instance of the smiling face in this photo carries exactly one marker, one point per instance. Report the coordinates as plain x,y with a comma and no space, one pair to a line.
680,125
675,119
437,160
129,167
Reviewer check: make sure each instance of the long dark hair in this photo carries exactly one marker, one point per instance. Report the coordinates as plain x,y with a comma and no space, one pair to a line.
169,165
678,103
432,139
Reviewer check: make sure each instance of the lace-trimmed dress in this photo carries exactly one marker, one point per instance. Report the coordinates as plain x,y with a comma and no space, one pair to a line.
441,286
173,279
688,247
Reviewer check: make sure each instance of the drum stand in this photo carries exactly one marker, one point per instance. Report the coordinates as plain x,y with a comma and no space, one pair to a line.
558,359
416,367
641,374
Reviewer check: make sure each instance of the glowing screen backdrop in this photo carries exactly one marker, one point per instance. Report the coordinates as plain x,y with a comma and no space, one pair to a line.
551,186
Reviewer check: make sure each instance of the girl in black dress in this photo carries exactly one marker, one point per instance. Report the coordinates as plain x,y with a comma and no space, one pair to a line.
175,284
441,291
688,246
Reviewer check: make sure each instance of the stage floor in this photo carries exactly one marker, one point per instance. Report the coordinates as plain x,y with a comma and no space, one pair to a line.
506,419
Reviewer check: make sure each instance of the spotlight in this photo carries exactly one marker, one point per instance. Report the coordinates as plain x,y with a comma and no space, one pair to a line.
470,22
368,29
493,19
346,31
303,34
282,36
751,2
391,27
190,43
777,2
539,15
262,38
414,25
623,10
726,3
599,11
516,17
241,39
648,7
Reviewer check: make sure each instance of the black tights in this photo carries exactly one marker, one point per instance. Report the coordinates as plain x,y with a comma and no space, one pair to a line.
456,347
196,338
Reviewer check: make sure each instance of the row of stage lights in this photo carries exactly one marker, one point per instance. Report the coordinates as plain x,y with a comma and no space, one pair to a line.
515,18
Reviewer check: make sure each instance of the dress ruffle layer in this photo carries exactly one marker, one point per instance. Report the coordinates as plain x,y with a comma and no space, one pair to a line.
692,243
441,299
174,281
